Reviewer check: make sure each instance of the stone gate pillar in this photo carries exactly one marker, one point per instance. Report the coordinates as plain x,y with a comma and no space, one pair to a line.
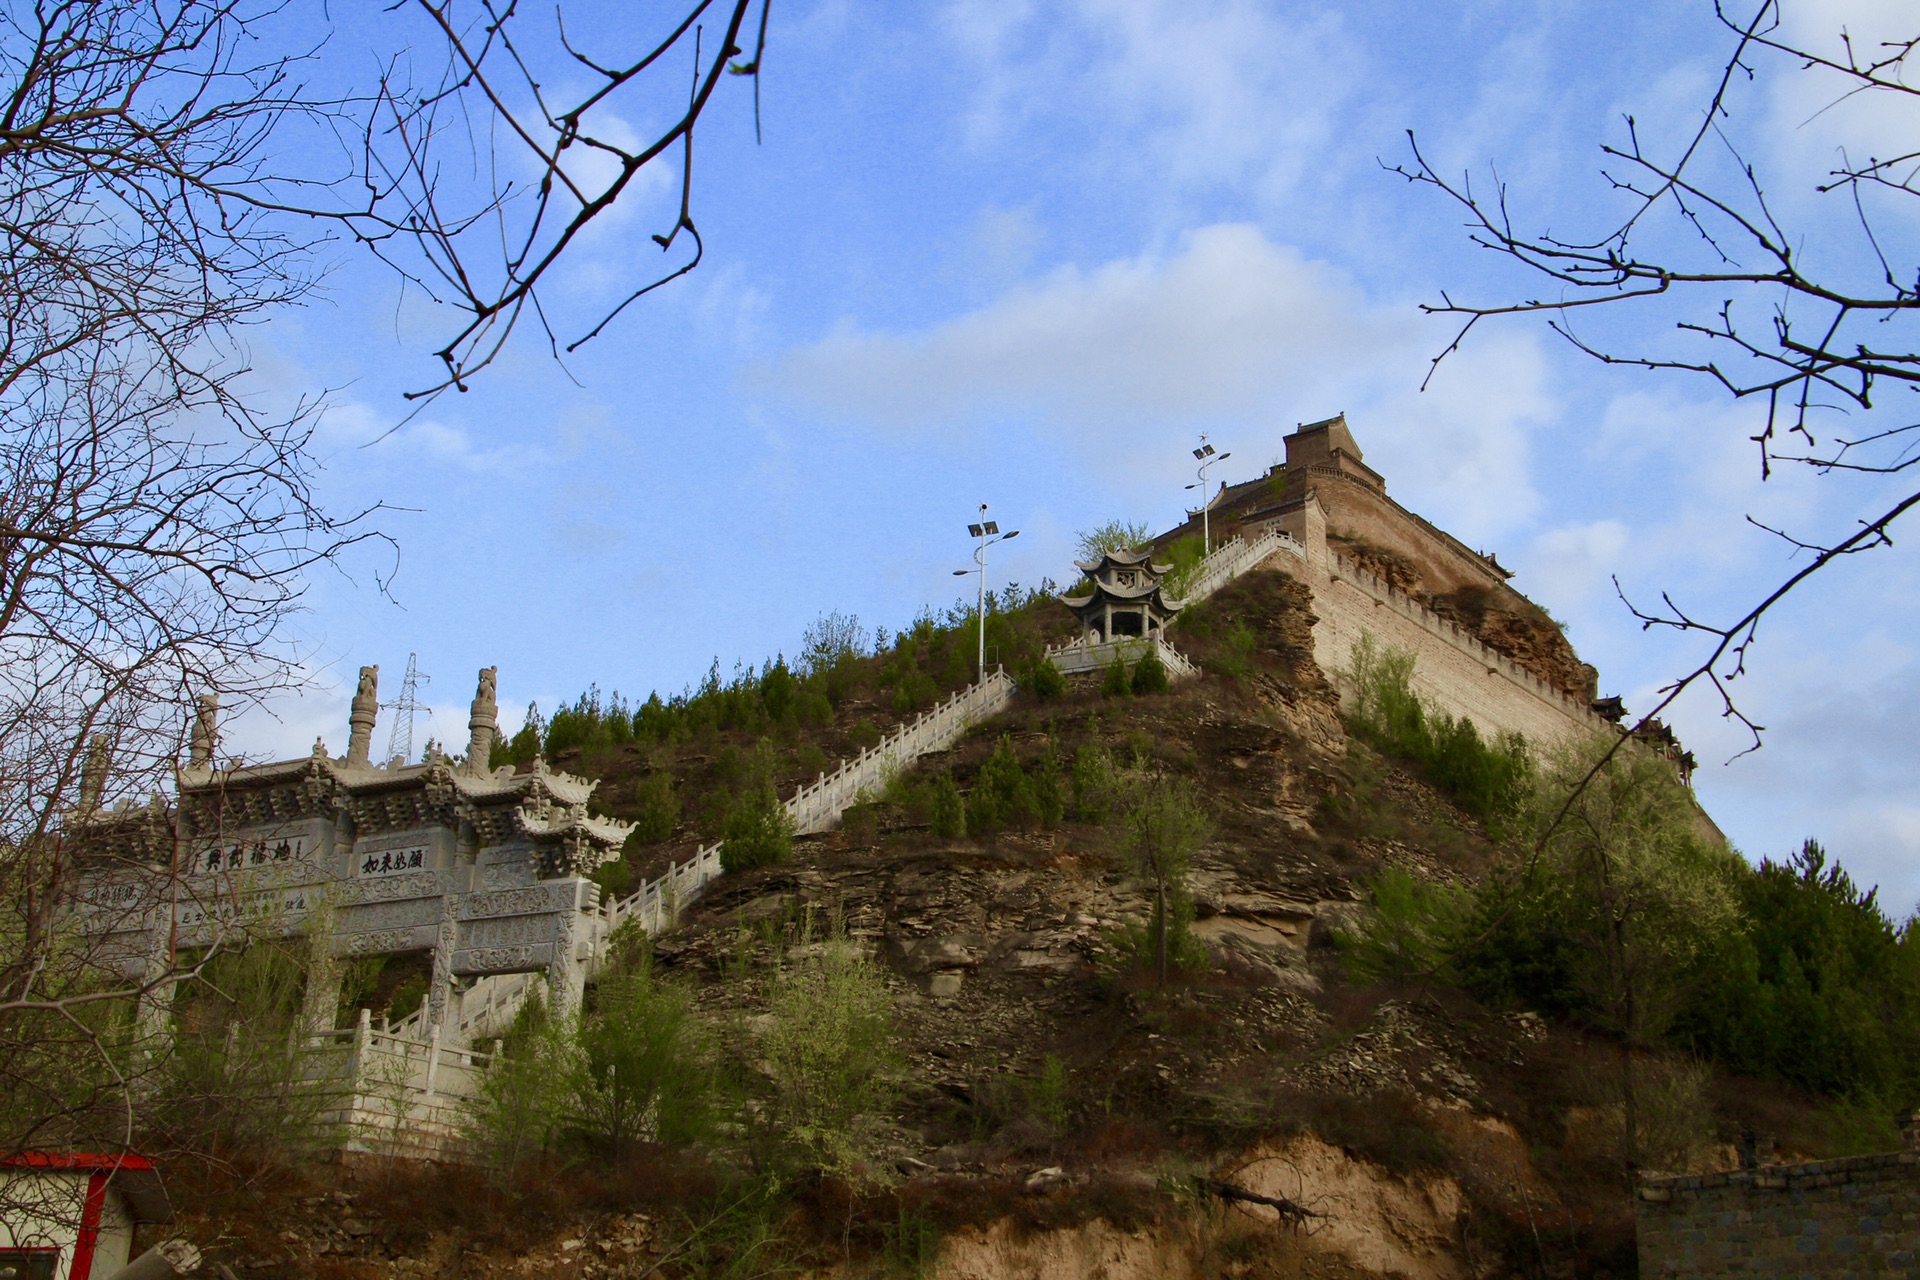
320,998
566,976
440,986
153,1011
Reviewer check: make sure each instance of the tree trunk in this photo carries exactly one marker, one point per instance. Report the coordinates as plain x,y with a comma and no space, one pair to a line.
1160,932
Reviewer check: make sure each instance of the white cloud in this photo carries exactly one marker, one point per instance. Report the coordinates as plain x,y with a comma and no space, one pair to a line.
1218,327
1199,94
1227,330
1572,562
354,431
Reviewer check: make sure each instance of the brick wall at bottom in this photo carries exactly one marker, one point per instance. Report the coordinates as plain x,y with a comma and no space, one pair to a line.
1835,1219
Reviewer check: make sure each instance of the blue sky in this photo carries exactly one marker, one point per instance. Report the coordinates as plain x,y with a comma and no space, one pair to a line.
1021,253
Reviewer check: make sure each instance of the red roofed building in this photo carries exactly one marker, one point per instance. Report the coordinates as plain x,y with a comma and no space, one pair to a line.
71,1215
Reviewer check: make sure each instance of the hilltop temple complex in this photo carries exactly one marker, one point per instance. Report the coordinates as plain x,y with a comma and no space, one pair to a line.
488,872
1368,529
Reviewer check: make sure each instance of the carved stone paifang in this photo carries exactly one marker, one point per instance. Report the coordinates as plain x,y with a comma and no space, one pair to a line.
480,868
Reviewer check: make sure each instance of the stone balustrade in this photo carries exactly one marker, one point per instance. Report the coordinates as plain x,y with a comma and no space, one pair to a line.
1236,556
390,1092
490,1003
1080,657
818,806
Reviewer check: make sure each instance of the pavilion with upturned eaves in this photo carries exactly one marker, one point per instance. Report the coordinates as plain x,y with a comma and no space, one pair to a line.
1124,595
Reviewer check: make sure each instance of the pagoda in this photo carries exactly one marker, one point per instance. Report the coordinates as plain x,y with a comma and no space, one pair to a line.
1124,595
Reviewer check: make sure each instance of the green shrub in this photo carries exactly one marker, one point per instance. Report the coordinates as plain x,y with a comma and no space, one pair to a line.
1041,678
947,810
1489,782
1817,987
656,810
1183,556
758,830
810,759
1114,535
614,877
524,745
639,1073
1164,828
233,1084
914,690
1114,681
1048,1095
1410,931
1234,657
1004,795
1149,674
1136,947
1049,802
828,1059
518,1113
1096,783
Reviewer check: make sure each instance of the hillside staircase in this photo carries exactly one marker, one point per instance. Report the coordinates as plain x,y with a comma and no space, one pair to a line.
487,1007
1228,561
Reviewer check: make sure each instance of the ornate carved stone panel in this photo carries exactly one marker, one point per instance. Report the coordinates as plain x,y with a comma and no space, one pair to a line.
508,931
379,916
554,895
502,959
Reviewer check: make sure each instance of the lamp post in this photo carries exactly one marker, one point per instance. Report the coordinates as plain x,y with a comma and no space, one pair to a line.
1207,458
988,532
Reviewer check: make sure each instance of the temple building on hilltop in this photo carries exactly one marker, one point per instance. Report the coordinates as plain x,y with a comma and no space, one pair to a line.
1124,595
1364,528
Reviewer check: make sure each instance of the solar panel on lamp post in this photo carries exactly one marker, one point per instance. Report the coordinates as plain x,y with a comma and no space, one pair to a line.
1207,458
988,532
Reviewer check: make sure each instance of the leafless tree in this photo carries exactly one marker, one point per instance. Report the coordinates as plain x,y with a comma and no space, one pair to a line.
485,250
1816,319
169,175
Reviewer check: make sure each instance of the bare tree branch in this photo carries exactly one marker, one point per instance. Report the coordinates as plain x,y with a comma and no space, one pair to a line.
1755,312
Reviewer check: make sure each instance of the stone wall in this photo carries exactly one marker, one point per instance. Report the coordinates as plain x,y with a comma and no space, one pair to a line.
1452,669
1858,1217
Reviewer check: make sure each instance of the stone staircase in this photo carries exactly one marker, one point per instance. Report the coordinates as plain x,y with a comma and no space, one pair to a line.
487,1007
399,1086
1231,559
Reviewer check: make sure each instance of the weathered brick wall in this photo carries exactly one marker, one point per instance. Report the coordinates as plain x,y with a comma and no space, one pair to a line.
1452,669
1835,1219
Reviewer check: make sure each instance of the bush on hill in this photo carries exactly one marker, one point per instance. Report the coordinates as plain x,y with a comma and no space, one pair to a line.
1487,780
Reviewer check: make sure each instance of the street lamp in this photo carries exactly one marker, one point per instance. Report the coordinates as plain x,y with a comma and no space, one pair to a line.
988,532
1207,458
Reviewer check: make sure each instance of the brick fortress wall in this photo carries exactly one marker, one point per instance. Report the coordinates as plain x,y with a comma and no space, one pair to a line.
1858,1217
1452,668
1324,482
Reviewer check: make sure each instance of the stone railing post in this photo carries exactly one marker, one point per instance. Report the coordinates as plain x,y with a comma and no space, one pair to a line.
433,1058
362,1038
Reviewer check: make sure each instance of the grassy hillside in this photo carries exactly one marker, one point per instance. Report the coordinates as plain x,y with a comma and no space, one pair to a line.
951,1012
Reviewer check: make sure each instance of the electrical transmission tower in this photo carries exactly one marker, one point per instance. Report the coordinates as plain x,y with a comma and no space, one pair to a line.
400,742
